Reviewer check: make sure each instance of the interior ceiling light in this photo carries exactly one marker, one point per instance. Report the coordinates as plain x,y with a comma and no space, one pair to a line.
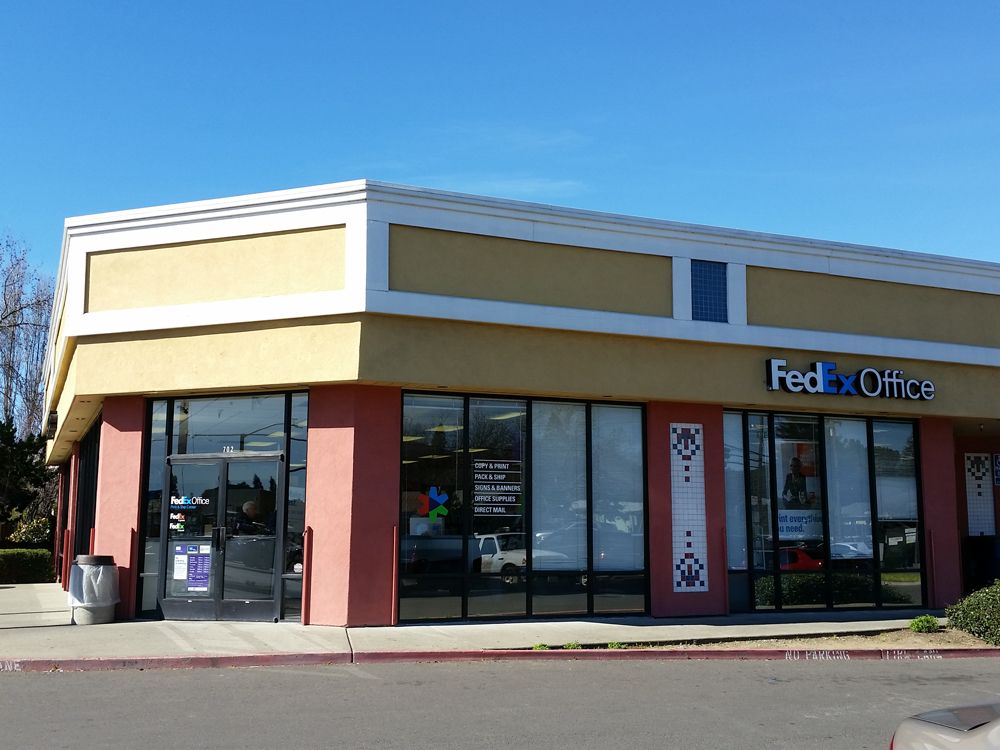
258,443
276,434
444,428
435,456
477,450
509,415
411,438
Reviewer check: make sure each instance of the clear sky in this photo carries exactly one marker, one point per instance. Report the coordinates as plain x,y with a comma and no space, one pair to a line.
868,122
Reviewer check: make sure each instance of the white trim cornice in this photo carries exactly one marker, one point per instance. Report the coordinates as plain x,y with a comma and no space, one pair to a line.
367,209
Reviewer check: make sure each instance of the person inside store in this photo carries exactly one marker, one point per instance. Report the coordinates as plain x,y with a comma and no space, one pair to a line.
248,522
794,493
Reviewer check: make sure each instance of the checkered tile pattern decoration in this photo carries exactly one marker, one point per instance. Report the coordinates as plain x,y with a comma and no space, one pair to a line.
687,500
979,493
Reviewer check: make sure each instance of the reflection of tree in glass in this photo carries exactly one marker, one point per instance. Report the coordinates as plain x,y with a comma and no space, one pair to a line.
849,452
796,430
500,437
617,471
892,463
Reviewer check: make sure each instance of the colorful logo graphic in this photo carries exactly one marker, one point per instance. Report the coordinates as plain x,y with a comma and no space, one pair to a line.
432,504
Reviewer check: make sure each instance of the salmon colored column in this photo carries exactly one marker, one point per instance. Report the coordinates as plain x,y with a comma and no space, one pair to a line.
942,549
665,602
352,503
119,474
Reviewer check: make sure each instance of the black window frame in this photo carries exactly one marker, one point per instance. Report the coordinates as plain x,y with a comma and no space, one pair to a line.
156,575
748,576
590,573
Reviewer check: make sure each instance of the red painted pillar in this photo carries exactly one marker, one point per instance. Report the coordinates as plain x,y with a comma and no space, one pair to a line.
940,504
665,602
352,503
119,474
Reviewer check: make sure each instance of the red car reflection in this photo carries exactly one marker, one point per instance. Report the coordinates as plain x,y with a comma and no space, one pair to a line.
796,559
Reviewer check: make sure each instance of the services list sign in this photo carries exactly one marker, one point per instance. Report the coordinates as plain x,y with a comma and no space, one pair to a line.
496,488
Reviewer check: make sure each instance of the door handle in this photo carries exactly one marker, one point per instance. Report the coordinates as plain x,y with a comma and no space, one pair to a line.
220,537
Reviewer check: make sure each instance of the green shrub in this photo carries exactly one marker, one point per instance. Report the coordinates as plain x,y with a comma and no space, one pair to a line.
539,647
616,644
978,614
572,644
809,589
925,624
26,566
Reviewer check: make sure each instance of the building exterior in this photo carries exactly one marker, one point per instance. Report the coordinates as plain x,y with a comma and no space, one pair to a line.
363,404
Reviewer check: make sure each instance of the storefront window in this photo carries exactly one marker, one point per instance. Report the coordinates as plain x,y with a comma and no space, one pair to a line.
849,493
897,531
800,502
432,531
618,507
153,503
229,425
498,545
559,486
759,471
736,506
295,514
828,543
538,527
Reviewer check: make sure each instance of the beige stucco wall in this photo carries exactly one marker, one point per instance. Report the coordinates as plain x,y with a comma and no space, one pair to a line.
470,265
239,356
507,359
223,358
821,302
236,268
426,354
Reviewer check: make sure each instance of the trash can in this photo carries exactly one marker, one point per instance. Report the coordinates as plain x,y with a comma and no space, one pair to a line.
93,589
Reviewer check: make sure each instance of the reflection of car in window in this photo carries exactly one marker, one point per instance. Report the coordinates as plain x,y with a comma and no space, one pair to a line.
502,553
796,559
846,550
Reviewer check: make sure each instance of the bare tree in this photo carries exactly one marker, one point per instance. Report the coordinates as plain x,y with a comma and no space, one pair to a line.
25,311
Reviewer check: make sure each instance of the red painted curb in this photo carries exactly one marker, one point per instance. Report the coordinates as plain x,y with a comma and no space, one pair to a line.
656,654
938,653
84,664
96,663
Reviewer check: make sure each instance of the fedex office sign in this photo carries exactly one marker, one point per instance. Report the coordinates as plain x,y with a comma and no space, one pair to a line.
868,382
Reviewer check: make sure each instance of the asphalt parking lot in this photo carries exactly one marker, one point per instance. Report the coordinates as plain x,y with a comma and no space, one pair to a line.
642,704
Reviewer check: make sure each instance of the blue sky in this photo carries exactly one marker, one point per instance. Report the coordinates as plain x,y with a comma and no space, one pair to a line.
876,123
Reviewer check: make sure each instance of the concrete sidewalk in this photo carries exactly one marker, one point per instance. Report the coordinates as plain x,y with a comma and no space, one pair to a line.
35,624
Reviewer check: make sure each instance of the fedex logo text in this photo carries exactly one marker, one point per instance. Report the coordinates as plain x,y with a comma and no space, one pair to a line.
868,382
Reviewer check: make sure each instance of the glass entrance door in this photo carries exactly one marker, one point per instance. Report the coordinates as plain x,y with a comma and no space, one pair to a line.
191,571
251,517
223,523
